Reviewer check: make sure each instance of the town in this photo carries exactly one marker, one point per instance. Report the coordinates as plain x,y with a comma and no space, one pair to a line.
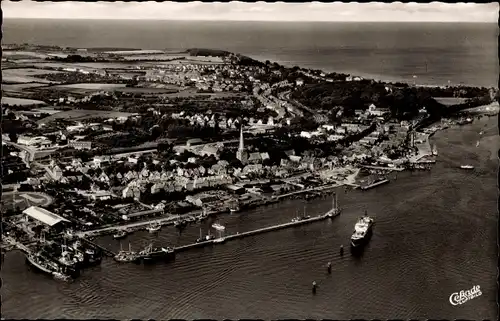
100,141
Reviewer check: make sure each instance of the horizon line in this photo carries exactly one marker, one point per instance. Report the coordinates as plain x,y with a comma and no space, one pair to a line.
271,21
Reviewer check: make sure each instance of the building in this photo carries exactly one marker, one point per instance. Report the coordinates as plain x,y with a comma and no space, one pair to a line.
48,219
80,144
194,142
33,141
373,110
241,154
236,189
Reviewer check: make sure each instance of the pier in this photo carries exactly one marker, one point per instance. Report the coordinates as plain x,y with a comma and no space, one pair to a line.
364,188
255,232
399,169
103,249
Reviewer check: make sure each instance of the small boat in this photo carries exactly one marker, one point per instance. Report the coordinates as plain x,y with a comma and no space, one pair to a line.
120,234
220,240
154,227
481,132
180,223
62,277
234,208
218,227
467,167
477,144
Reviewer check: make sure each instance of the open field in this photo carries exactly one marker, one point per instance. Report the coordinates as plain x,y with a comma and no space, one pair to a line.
148,90
17,88
491,109
134,52
155,57
450,101
86,88
192,92
80,114
21,101
92,86
24,200
25,75
23,54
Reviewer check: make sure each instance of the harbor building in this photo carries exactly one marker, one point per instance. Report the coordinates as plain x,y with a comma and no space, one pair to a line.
40,216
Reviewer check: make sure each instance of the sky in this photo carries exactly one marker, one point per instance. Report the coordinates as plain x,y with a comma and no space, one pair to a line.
257,11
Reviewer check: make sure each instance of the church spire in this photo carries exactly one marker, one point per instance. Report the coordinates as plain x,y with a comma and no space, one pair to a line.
241,154
242,146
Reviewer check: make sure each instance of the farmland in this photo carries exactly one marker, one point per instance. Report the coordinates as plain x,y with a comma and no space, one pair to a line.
21,101
25,75
450,101
18,88
80,114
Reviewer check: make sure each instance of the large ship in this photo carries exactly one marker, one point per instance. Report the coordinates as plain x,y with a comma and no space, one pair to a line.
362,231
151,254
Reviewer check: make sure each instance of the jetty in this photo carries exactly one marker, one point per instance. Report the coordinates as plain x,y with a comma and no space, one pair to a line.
103,249
372,185
257,231
398,169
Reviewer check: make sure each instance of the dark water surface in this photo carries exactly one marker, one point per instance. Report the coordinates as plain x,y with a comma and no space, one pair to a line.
434,52
435,234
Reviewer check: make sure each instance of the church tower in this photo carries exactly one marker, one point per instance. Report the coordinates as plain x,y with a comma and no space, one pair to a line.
241,155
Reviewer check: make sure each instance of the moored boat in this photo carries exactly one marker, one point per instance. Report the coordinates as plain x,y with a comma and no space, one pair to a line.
234,208
335,210
467,167
151,254
42,264
127,256
220,240
205,238
154,227
61,276
218,227
120,234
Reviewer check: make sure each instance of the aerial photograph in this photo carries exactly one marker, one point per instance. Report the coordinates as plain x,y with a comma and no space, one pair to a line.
239,160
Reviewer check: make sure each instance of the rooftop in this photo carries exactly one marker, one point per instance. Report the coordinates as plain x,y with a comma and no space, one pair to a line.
44,216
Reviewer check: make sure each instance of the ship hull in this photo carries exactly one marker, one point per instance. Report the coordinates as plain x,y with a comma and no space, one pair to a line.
158,256
361,242
38,266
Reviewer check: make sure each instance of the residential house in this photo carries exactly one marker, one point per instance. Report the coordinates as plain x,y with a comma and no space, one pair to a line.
373,110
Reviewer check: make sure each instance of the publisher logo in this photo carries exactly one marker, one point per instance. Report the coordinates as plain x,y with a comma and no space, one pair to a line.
461,297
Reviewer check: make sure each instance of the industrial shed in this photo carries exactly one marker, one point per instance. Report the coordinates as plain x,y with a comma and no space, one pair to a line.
45,217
